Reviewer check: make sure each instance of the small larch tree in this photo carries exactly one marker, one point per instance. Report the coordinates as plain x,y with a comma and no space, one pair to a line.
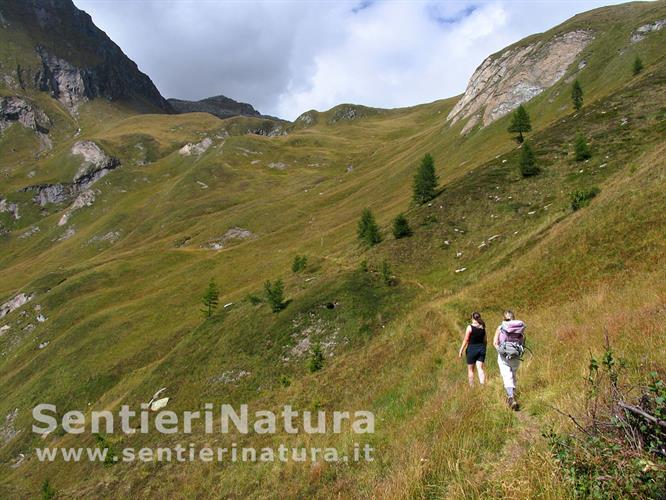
387,274
299,263
275,295
210,299
528,165
520,123
316,358
638,66
581,148
47,491
425,180
582,197
577,95
368,230
401,227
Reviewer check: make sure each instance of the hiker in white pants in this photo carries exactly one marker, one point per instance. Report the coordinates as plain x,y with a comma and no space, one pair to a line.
508,333
508,369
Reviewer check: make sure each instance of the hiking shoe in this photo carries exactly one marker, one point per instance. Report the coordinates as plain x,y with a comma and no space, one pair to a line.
513,404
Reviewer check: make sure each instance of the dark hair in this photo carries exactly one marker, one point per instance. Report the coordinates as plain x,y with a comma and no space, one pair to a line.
477,317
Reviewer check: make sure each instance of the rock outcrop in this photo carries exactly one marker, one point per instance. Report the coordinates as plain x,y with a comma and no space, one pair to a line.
16,109
14,303
7,429
10,208
642,31
350,112
506,80
96,164
234,233
219,105
85,199
269,129
196,149
306,119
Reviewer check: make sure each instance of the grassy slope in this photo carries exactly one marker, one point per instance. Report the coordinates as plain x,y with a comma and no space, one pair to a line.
107,303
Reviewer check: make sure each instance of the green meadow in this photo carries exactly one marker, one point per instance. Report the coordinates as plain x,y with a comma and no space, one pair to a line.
120,284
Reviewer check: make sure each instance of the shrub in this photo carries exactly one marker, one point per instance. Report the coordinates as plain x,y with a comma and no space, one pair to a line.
111,457
582,197
425,181
581,149
620,448
275,295
300,261
254,299
368,230
528,166
638,66
401,227
316,359
429,220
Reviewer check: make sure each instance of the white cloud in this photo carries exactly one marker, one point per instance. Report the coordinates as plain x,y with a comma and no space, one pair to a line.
287,57
395,54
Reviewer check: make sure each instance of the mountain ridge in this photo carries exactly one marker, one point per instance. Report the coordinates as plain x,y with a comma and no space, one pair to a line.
219,105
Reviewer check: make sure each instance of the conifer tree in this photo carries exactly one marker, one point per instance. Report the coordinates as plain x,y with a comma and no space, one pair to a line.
638,66
299,263
368,230
401,227
520,123
210,299
577,95
581,148
47,491
425,180
316,359
387,274
528,166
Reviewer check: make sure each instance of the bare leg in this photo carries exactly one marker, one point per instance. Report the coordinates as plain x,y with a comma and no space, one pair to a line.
470,374
482,373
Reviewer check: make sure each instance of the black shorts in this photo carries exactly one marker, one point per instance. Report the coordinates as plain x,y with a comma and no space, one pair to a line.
476,352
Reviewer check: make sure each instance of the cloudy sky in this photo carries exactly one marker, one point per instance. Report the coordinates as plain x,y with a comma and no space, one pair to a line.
286,57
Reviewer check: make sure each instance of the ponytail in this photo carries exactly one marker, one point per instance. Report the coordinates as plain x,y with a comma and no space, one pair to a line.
477,317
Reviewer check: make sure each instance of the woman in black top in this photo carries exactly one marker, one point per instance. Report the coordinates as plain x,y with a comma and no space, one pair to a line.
474,345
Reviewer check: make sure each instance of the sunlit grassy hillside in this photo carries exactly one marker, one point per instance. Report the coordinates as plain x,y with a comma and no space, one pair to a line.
120,283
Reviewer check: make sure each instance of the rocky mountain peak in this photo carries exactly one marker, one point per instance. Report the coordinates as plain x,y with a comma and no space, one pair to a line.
77,60
516,75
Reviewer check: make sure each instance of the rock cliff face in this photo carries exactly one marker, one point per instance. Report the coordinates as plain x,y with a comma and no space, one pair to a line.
506,80
78,60
220,106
